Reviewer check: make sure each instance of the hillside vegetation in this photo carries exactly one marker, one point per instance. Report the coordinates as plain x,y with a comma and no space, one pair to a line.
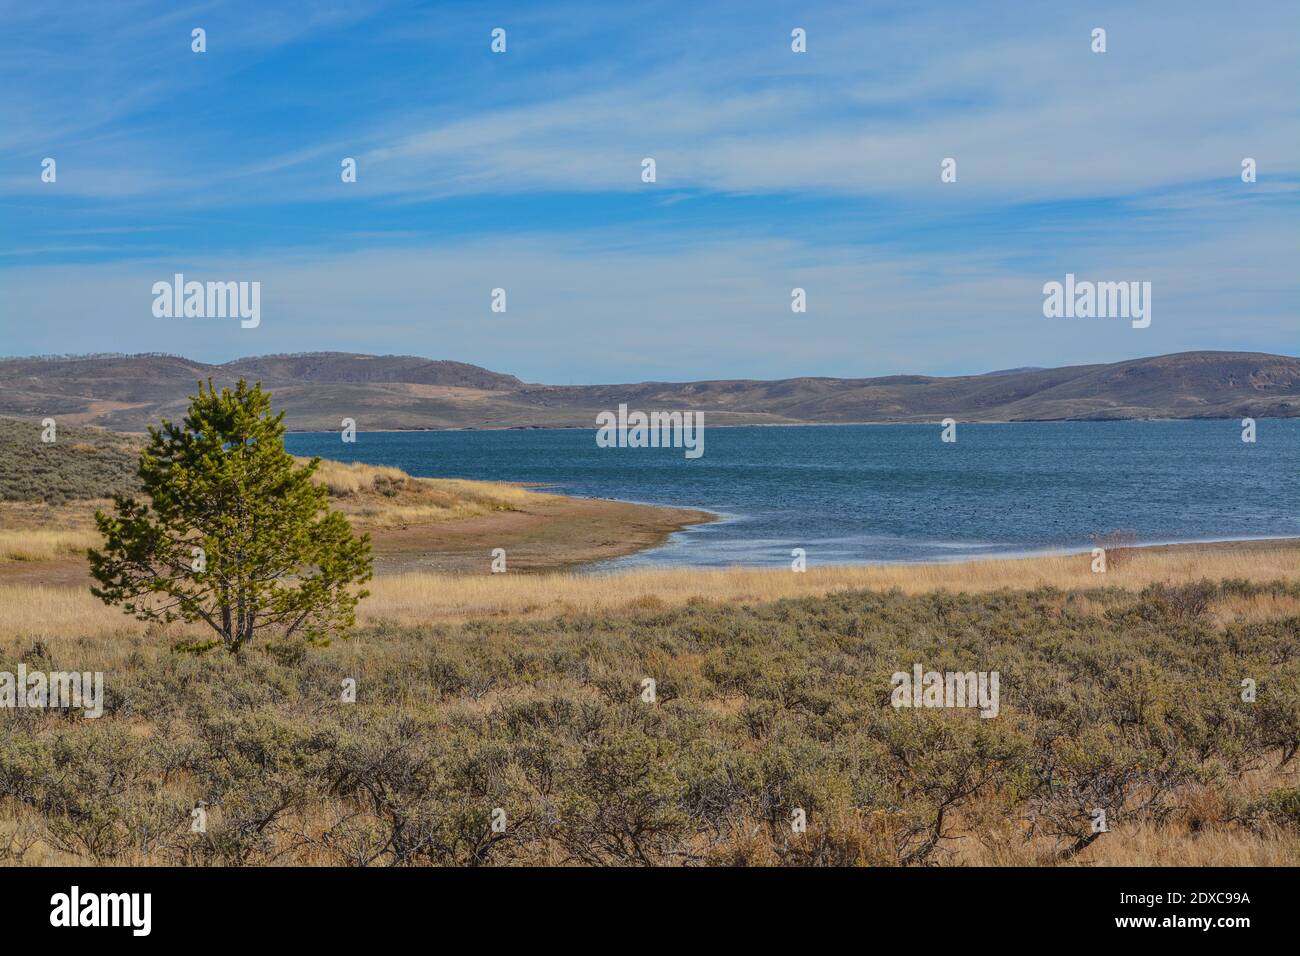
318,390
1126,701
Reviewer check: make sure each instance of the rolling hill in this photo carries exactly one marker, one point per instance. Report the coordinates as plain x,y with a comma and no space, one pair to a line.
318,389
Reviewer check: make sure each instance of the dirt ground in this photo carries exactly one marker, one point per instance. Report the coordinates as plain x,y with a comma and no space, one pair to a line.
551,533
556,532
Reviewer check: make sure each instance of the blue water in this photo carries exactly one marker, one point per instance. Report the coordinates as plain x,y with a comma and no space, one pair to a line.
870,493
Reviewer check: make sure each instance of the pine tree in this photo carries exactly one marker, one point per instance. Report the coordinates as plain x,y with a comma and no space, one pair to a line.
236,534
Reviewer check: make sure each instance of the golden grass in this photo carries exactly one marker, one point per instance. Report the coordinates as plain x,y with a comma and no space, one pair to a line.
21,517
371,496
350,479
437,499
41,612
1254,609
42,544
48,612
1174,845
411,598
385,497
1145,844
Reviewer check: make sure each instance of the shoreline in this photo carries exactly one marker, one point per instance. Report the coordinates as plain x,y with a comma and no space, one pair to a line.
554,533
558,532
545,532
42,606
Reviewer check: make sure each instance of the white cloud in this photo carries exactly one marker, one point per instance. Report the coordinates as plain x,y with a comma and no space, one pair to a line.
714,308
722,104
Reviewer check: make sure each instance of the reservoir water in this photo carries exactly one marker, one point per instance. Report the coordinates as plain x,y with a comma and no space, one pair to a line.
872,493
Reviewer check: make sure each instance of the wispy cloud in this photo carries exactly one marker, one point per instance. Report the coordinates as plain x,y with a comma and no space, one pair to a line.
1025,107
584,310
774,169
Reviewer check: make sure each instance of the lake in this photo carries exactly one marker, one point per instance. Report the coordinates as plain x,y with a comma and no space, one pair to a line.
890,493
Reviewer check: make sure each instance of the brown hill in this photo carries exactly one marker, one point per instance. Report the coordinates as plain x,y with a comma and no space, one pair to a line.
341,367
317,390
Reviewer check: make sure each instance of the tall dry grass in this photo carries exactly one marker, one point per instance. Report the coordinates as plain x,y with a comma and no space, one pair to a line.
412,598
416,598
44,544
343,478
386,497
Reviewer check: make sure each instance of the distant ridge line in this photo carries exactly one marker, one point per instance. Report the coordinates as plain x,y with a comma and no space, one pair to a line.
317,390
325,354
88,356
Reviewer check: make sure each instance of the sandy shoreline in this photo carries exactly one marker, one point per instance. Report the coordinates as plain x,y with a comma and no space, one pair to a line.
553,533
557,533
550,532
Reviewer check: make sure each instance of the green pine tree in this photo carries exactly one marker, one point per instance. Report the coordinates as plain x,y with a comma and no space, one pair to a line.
236,533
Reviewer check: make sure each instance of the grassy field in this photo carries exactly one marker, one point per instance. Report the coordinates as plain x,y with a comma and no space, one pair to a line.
1114,698
410,599
482,694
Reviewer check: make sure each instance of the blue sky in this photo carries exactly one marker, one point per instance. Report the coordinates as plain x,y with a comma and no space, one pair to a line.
775,169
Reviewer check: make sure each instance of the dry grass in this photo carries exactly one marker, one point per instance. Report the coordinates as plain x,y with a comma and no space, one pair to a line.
1200,832
42,544
384,497
372,498
413,598
351,479
419,598
771,705
1254,609
21,516
37,612
1146,844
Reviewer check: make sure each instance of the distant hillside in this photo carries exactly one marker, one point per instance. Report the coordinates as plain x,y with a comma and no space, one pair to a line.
317,390
1013,371
344,367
